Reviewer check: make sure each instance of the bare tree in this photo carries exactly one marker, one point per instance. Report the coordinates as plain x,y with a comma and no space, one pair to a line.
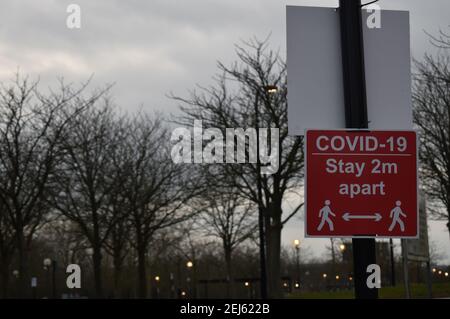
32,125
86,179
156,188
441,40
431,98
117,244
231,218
231,103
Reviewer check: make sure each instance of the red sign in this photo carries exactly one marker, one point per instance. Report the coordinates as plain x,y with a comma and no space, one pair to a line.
361,183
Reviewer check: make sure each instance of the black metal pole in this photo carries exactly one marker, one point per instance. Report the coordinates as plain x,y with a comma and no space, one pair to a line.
356,117
54,279
262,240
393,281
297,250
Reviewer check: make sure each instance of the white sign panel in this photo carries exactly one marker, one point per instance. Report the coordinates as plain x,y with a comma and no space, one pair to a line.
315,80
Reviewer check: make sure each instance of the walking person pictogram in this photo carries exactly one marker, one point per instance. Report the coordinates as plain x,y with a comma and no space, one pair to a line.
325,213
395,214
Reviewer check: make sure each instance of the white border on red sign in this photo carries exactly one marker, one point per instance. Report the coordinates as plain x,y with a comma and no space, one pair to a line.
306,182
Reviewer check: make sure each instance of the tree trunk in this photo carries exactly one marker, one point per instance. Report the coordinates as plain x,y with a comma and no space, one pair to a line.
4,277
97,259
23,273
229,270
117,261
142,272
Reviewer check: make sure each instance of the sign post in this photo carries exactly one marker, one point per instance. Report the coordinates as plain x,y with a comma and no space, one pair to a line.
374,90
356,117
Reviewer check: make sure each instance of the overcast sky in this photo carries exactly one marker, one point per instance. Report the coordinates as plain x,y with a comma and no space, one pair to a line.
150,48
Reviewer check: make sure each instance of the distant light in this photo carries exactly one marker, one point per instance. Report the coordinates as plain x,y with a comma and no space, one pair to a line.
246,284
183,293
342,247
324,275
446,274
434,270
337,277
297,285
271,89
157,278
350,278
190,264
440,272
296,243
285,284
47,262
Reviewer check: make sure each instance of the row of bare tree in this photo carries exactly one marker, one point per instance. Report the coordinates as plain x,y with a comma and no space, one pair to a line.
66,156
71,156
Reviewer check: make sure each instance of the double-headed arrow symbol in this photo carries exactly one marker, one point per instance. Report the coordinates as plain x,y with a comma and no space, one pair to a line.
347,217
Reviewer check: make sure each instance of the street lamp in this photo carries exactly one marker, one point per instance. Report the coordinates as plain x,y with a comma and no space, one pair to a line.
269,89
47,264
157,279
249,289
89,252
15,273
297,255
192,283
342,247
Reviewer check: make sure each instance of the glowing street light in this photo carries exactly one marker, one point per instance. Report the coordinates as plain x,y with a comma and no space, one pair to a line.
342,247
157,278
271,89
189,264
324,275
